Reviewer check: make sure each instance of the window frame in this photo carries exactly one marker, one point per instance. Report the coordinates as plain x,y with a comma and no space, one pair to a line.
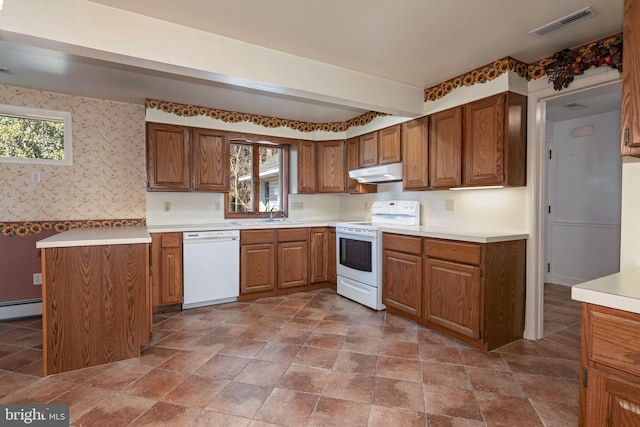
42,114
257,141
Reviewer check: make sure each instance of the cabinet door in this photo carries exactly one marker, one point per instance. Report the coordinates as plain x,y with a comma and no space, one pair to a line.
415,155
401,282
631,80
318,259
210,154
610,401
332,262
257,268
389,145
451,296
168,159
293,264
330,166
445,141
484,141
369,150
352,161
306,167
166,259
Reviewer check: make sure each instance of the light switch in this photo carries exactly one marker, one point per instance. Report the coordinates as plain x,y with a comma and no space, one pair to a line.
35,177
448,205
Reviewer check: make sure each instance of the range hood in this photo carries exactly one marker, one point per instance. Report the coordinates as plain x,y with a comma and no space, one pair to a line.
377,174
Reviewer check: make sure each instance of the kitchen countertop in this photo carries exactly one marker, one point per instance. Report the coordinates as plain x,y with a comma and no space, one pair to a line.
421,231
619,291
96,236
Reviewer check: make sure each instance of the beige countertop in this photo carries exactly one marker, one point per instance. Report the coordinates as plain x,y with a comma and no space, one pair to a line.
478,236
620,291
96,236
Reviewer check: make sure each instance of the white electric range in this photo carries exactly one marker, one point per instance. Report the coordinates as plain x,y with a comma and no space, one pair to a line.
359,250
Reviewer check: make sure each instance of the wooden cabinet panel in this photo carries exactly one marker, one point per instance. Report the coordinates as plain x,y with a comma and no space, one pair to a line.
630,116
293,234
95,305
257,267
319,255
451,296
445,148
368,150
210,153
464,252
293,262
168,157
389,145
484,141
615,341
495,146
306,167
415,155
332,261
401,243
611,401
166,272
401,282
250,237
352,161
330,167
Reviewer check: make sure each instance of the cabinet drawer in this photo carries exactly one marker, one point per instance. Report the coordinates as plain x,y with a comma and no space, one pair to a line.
466,253
400,243
171,240
293,234
250,237
614,339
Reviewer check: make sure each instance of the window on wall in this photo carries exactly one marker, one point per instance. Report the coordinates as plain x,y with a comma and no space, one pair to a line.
259,178
35,136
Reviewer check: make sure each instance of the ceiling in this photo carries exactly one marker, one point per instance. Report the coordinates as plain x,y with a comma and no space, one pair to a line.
415,42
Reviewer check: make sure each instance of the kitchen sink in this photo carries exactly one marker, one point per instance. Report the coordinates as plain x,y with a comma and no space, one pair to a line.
266,221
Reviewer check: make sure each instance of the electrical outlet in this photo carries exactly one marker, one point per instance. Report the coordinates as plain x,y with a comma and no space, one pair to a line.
448,205
366,206
297,206
218,206
167,206
37,278
35,177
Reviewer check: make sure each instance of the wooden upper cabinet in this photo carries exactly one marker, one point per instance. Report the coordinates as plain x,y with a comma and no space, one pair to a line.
445,145
630,122
415,155
351,162
306,167
495,145
369,150
330,167
389,145
210,153
168,159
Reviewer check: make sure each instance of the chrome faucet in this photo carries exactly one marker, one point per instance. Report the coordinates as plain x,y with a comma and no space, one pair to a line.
271,214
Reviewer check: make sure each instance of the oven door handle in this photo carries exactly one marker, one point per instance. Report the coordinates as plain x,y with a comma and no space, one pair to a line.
352,233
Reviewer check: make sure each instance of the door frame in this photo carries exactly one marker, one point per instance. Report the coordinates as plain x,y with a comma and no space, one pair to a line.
540,92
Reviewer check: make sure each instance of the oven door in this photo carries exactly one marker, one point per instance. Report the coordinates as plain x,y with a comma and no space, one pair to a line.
357,255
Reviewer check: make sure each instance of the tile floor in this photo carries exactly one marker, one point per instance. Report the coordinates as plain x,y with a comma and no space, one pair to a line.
309,359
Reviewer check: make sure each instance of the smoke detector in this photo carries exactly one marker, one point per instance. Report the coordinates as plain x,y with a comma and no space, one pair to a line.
561,23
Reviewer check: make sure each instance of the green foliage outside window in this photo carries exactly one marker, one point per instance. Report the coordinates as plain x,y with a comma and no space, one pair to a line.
28,138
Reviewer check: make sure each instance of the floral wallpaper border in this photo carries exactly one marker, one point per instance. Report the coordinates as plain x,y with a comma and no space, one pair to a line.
19,229
483,74
491,71
184,110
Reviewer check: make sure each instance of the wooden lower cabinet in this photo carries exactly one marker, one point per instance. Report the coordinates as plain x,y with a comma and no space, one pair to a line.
402,273
452,296
610,374
166,269
280,261
332,261
473,292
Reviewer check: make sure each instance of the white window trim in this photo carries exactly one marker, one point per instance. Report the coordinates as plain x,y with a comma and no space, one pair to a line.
39,113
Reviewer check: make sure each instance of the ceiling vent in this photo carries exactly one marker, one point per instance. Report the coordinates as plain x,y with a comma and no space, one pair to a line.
567,21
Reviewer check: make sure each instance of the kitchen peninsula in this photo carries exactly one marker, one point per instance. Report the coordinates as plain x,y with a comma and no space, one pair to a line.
96,300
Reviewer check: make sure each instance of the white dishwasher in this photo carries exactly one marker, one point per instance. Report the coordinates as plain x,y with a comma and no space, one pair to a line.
211,263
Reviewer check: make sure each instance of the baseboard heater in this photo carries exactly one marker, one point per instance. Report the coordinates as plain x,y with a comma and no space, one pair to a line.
18,309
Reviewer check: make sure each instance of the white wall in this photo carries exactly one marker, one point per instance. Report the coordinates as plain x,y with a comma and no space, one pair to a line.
585,174
630,221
